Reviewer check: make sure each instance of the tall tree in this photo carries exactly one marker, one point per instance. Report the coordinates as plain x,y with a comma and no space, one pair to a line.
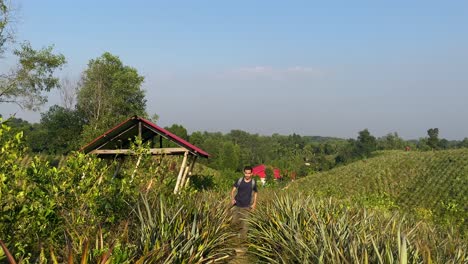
6,34
366,143
27,83
110,92
433,140
68,89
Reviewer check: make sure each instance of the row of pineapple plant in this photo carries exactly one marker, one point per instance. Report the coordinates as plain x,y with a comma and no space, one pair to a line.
300,229
287,229
431,184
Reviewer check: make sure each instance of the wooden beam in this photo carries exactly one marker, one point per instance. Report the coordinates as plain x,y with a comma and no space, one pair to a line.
182,168
163,135
154,151
156,132
114,137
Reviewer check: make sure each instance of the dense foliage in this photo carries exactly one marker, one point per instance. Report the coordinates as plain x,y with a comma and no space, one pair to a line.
62,209
83,210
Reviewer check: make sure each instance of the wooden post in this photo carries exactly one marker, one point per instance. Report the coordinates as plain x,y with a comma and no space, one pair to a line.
136,167
187,169
116,172
184,176
190,171
179,177
139,130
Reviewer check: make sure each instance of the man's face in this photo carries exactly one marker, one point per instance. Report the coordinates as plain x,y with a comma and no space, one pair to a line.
248,174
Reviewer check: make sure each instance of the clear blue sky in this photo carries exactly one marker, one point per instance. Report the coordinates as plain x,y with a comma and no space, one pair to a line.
329,68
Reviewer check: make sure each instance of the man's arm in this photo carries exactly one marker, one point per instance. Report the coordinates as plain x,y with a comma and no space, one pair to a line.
254,204
233,193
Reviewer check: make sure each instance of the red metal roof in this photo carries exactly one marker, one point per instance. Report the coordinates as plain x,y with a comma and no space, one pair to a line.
118,136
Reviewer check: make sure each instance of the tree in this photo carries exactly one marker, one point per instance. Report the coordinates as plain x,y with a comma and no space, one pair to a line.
68,89
463,143
29,130
58,131
213,145
366,143
17,124
110,92
329,148
154,118
247,143
178,130
422,144
346,151
433,140
443,144
33,76
239,137
229,156
196,138
6,34
391,141
296,141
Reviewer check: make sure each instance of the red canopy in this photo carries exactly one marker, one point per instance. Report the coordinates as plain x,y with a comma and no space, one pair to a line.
259,170
276,173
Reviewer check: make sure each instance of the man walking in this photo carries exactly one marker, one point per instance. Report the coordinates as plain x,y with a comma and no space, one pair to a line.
244,198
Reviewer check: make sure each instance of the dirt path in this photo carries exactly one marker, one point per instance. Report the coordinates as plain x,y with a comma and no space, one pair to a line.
242,257
239,243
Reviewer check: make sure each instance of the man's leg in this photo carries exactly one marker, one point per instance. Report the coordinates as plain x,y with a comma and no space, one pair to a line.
244,225
237,222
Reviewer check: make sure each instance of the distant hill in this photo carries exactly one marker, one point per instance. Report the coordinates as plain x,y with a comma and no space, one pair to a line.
431,184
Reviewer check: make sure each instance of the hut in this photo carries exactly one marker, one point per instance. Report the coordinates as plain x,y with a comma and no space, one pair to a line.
117,141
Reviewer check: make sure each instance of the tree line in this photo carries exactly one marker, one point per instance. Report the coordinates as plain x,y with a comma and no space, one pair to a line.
62,130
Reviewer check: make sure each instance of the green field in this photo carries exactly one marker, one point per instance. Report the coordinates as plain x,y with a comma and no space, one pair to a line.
433,185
